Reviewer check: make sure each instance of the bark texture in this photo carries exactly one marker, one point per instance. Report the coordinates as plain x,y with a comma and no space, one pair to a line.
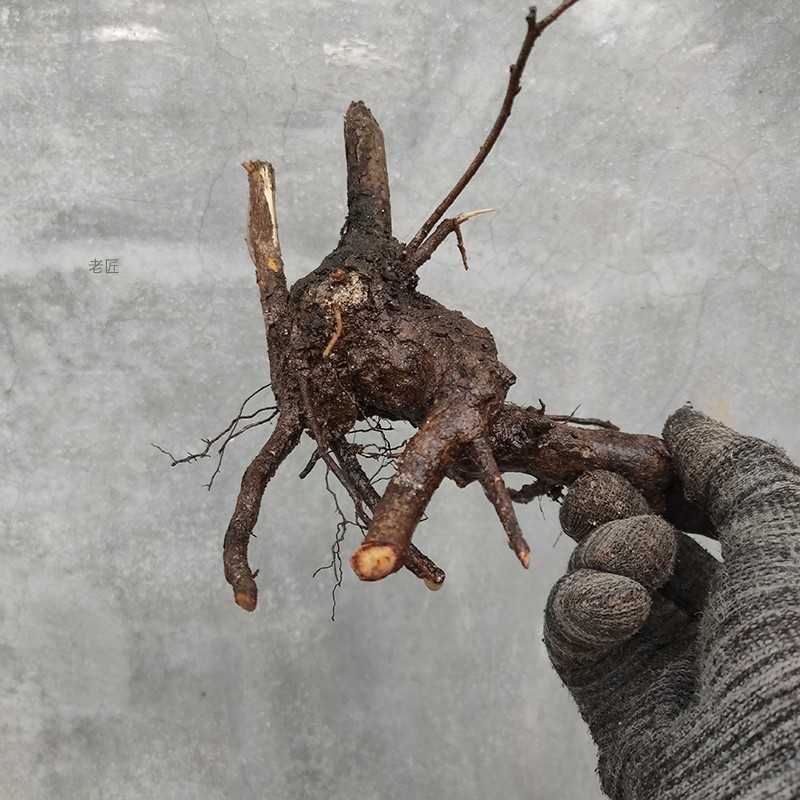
355,339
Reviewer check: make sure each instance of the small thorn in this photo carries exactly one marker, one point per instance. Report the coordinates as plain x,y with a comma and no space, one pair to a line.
461,218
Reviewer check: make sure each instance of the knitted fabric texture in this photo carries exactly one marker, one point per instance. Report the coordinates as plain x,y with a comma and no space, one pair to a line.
687,671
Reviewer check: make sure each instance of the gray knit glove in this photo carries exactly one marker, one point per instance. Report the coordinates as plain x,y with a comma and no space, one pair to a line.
687,671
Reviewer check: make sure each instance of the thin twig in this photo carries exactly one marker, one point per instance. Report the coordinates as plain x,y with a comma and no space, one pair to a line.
443,230
597,423
496,491
461,248
514,87
221,450
312,462
554,15
231,432
231,425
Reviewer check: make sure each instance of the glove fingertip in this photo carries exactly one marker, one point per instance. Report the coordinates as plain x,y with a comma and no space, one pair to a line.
642,548
588,613
596,498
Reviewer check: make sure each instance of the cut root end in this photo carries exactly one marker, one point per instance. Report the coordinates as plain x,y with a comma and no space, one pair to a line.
245,600
372,562
524,558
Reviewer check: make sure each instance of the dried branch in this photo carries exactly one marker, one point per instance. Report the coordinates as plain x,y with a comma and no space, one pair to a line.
368,207
554,15
363,494
443,230
414,561
496,491
513,89
528,442
262,241
428,456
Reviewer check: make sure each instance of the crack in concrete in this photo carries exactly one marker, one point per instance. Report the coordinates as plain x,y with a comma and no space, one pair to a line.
13,354
771,22
234,145
218,44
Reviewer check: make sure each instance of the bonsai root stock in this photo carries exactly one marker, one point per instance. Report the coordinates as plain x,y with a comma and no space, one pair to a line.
355,340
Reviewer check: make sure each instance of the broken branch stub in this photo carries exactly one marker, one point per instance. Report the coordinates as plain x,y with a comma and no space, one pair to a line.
368,207
355,340
262,240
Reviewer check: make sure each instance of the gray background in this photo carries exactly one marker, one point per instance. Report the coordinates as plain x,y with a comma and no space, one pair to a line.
644,252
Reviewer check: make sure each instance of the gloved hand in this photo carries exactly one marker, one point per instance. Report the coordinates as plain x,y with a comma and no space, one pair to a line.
687,671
